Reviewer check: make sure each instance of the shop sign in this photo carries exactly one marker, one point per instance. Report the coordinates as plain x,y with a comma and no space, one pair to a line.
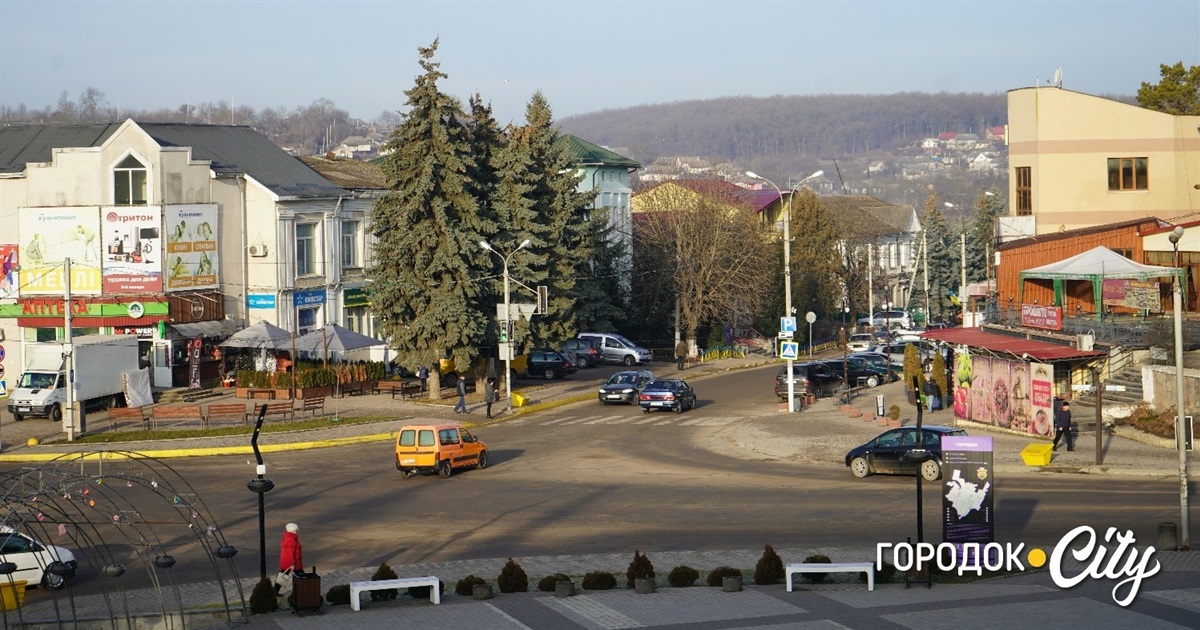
355,297
261,300
80,307
142,332
308,298
133,259
1049,317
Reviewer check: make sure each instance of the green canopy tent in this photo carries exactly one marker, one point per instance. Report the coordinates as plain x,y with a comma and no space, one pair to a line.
1094,266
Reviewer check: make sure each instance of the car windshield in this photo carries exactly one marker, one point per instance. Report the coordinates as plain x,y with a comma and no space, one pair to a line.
37,380
622,378
623,341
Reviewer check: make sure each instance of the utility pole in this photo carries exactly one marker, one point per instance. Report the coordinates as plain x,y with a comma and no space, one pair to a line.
68,414
506,322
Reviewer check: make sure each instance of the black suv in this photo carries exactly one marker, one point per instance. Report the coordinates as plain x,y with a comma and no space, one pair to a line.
810,378
858,368
583,352
549,364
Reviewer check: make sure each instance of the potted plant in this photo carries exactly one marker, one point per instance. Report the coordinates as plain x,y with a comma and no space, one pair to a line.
912,370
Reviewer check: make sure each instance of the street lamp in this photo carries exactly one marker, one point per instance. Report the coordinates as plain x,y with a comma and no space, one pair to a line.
787,265
507,317
1180,427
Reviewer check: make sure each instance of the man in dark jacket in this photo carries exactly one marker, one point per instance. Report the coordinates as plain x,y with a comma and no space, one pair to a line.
681,352
461,388
1062,426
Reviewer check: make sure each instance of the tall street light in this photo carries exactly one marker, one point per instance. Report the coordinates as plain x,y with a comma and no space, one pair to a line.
504,325
1180,427
787,266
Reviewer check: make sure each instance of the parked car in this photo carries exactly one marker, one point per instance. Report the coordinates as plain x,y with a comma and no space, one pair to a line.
810,378
438,448
895,351
858,368
891,452
673,394
892,318
882,363
548,364
616,349
582,352
48,566
624,387
860,341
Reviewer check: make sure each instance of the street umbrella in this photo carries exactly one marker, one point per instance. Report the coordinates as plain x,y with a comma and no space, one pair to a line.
334,338
260,335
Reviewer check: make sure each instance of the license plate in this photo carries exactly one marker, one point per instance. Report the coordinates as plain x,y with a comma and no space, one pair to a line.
614,395
408,461
23,409
661,403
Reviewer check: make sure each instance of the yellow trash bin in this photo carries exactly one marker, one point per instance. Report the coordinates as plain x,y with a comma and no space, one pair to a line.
519,400
11,601
1038,454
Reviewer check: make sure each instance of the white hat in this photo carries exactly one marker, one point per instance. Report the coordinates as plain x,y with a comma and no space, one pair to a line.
292,527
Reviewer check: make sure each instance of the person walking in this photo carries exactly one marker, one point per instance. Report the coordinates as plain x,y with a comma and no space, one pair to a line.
290,556
490,394
423,375
461,387
681,352
1062,426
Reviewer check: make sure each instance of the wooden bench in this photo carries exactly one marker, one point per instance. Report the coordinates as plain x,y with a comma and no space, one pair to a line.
127,413
351,389
435,586
276,409
253,392
176,412
232,411
832,567
387,386
408,390
313,405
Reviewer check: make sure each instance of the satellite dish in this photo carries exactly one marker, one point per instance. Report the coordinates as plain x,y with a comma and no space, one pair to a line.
1057,82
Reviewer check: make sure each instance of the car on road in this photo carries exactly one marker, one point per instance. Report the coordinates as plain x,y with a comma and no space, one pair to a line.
860,341
624,387
857,368
882,363
669,393
902,452
582,352
548,364
48,566
813,378
438,448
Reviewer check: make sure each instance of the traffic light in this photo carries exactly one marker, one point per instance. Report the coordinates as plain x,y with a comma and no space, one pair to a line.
504,331
543,300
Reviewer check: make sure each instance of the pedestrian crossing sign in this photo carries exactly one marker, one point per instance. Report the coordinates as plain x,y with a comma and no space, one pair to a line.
789,349
3,388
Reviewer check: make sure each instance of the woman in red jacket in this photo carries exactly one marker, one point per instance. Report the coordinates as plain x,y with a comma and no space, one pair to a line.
289,550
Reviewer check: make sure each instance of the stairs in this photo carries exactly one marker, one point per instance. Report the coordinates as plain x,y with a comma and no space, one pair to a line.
1083,407
184,395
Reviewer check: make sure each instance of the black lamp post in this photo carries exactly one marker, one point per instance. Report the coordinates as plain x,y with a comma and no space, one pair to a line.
260,486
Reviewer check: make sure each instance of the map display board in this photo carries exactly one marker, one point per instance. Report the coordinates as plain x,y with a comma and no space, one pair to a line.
967,507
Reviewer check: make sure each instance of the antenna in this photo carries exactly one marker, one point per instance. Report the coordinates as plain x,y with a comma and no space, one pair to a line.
1057,82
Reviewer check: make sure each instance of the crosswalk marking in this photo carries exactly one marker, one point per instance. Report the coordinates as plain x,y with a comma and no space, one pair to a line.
654,419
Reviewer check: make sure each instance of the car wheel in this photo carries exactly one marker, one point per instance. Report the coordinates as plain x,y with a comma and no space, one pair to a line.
860,468
582,361
56,413
482,463
628,360
18,417
446,469
549,374
51,581
679,407
931,470
872,381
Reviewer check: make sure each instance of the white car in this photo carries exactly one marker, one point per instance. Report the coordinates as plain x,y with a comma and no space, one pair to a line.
860,342
42,565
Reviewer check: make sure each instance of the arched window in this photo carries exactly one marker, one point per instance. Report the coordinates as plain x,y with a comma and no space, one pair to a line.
129,183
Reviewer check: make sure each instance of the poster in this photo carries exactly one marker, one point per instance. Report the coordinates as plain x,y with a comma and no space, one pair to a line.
1041,404
9,287
194,347
967,503
47,237
1140,294
132,249
1004,393
191,261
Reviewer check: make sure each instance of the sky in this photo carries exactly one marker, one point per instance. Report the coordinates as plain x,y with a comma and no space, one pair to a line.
584,56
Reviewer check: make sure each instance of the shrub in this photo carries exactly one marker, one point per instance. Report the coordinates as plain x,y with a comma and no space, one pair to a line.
262,598
769,569
512,578
599,581
683,575
816,578
338,595
384,572
640,569
912,368
894,412
719,574
466,586
883,575
422,592
938,375
546,584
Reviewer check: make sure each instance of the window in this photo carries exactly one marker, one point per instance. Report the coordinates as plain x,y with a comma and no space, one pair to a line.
129,183
1024,179
356,319
350,244
1128,173
307,319
306,249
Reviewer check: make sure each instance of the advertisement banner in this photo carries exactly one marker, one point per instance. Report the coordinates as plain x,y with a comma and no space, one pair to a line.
47,237
132,249
9,287
967,506
194,347
1141,294
1049,317
1041,376
261,300
191,261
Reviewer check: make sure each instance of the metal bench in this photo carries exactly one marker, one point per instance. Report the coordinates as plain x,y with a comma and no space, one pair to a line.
127,413
175,412
232,411
313,405
832,567
435,588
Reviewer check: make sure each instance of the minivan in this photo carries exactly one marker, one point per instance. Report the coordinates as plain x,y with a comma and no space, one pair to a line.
616,349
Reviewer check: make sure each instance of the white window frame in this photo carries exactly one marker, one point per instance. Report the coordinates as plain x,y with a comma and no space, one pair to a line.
306,251
350,253
127,173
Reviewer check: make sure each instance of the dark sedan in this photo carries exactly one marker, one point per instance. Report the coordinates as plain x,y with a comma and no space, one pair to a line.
896,452
858,368
549,364
624,386
671,394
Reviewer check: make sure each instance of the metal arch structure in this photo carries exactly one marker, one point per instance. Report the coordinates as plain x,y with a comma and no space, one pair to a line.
129,519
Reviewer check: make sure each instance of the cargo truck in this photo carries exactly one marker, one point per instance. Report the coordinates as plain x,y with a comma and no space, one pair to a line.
100,364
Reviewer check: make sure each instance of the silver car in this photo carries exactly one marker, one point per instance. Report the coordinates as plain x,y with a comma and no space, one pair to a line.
624,387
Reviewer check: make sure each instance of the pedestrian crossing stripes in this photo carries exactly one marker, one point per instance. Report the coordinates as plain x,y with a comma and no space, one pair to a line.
630,417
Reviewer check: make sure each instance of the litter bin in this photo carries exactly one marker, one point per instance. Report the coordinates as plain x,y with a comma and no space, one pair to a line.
519,400
13,593
306,592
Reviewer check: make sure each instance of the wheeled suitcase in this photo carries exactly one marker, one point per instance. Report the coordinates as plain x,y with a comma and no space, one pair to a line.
306,592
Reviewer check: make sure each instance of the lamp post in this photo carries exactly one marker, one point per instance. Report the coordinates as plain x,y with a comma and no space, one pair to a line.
887,335
1180,427
504,324
787,267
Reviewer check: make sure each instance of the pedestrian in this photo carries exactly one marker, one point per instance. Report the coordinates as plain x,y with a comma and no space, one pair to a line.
490,395
423,375
1062,426
681,352
291,561
462,395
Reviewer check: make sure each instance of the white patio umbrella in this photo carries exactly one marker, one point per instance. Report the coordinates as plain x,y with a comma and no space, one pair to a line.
260,335
334,338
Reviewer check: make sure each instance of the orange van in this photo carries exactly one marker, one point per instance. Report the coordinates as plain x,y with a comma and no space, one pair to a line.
437,448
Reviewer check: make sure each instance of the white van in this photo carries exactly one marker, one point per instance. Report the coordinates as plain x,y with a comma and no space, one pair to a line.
616,349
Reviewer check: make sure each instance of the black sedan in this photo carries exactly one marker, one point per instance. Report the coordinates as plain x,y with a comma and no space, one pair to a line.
672,394
858,367
624,387
897,452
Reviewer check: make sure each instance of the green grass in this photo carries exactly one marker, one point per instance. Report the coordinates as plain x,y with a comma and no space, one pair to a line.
176,434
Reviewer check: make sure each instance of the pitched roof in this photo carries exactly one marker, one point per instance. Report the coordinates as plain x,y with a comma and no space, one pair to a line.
1098,261
1145,224
1017,347
587,154
867,216
352,174
22,144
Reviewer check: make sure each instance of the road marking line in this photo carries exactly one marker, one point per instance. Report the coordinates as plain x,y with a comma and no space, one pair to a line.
688,423
506,616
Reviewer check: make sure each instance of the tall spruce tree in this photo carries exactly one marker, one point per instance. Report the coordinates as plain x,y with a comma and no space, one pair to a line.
427,228
980,235
941,255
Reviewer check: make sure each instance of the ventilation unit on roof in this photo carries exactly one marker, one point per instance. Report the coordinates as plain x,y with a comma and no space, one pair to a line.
1085,342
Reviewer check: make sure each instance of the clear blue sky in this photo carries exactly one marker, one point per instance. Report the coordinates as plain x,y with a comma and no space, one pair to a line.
584,56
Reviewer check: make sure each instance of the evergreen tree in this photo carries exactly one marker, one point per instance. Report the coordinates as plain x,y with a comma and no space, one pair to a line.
942,256
816,267
1178,93
427,228
980,235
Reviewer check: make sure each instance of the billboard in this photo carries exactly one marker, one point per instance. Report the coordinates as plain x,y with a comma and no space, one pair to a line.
1140,294
8,272
47,237
967,505
1005,393
1049,317
132,249
191,261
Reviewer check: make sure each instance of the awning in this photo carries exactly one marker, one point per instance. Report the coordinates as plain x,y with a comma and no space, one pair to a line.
1017,347
214,328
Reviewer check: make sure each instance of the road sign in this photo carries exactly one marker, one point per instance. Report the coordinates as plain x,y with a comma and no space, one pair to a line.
786,334
810,317
789,349
787,324
1,353
3,388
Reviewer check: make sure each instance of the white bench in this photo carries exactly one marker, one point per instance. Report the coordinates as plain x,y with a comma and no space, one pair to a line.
832,567
435,588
